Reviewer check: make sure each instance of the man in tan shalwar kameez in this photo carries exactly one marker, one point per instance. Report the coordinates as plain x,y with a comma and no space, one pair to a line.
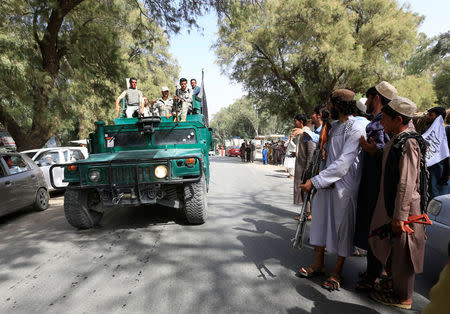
404,258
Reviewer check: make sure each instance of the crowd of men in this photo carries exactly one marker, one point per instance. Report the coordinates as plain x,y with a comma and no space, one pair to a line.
372,186
274,153
180,105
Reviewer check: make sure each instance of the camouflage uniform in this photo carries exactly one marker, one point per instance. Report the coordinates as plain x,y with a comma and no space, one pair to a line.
186,96
164,107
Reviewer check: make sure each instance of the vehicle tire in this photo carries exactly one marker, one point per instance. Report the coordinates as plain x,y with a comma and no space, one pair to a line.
82,208
42,199
195,204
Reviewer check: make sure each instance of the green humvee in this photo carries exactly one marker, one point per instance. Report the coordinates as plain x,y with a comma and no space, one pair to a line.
137,161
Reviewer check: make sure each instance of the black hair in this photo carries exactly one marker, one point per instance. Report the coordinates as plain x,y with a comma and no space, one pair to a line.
373,92
194,80
439,111
323,111
360,113
393,114
318,108
132,79
183,80
325,114
344,107
301,118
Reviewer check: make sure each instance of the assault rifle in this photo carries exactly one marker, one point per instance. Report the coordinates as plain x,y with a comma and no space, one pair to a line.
312,170
385,231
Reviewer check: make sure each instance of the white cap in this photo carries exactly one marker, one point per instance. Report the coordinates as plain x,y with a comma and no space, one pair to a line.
164,89
361,104
387,90
403,106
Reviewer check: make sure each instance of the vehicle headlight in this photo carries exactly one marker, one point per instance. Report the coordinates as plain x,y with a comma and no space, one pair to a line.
94,175
161,171
434,207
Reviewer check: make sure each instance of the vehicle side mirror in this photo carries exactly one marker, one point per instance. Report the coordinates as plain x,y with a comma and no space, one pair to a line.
38,163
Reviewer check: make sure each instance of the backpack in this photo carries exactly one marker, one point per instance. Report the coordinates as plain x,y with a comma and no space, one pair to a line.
392,168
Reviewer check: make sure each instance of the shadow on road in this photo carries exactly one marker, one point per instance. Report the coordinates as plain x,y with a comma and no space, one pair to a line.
140,217
322,304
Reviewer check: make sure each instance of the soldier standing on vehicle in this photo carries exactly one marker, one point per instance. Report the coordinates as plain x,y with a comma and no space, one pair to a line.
184,94
133,97
164,105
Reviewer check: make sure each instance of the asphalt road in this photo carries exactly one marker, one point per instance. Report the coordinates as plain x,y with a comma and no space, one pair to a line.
145,260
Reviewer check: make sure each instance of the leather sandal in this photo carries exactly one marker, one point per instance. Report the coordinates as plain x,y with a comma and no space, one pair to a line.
389,298
333,282
309,272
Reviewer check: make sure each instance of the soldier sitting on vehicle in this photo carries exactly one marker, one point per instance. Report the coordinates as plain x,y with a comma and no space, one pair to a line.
133,97
185,96
164,105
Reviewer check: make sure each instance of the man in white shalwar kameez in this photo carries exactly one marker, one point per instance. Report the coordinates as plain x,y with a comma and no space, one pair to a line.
334,205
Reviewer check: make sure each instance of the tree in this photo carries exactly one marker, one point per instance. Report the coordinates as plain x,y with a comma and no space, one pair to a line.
51,48
442,84
299,51
418,88
245,118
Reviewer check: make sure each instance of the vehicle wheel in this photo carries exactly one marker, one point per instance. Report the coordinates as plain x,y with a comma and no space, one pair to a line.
41,201
83,209
195,204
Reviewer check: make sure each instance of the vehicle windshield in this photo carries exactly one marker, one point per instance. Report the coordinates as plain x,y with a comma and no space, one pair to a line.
174,136
30,154
125,139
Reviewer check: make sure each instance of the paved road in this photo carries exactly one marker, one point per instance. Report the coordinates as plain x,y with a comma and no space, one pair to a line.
145,260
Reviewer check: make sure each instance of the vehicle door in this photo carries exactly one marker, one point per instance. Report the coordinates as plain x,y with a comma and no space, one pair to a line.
48,158
8,197
76,154
19,183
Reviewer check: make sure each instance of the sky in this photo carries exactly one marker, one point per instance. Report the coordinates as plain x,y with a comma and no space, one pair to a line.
193,51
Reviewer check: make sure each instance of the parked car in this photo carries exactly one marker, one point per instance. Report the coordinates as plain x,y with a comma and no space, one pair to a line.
22,184
6,141
45,157
233,151
438,234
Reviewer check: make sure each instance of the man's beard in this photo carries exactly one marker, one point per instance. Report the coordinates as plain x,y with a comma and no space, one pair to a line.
369,109
334,113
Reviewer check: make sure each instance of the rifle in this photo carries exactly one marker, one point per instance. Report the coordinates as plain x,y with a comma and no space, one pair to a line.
312,170
385,231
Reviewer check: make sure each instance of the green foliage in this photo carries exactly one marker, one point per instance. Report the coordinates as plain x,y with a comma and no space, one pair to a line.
418,88
244,118
296,52
99,43
442,84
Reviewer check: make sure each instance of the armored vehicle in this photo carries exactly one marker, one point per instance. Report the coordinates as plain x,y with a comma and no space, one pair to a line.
137,161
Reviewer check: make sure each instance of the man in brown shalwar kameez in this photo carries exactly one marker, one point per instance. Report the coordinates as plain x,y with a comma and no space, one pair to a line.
303,155
402,255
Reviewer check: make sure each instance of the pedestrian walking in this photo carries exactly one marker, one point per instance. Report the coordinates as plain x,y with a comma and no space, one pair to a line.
264,155
252,151
242,151
248,152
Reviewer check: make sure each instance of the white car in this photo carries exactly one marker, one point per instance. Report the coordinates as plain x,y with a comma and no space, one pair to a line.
45,157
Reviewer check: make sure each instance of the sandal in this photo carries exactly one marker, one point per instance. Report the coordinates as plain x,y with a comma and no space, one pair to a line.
309,272
389,298
384,284
333,282
359,252
366,284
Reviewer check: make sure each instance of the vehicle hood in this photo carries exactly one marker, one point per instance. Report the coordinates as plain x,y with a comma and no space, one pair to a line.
143,154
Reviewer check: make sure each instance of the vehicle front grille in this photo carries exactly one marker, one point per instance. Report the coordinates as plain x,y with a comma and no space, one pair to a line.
127,174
